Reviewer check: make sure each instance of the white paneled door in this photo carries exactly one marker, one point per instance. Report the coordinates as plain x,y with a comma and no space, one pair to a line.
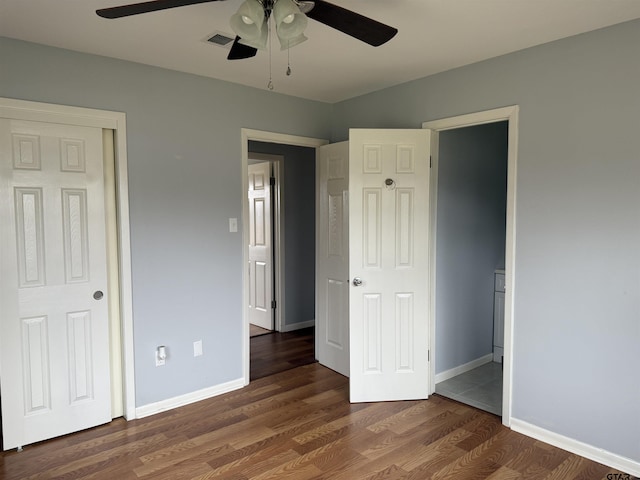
54,335
388,264
260,246
332,276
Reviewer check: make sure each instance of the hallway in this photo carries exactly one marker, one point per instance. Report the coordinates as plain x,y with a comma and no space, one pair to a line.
276,352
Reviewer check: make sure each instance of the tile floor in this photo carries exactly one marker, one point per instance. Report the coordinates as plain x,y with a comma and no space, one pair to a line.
480,388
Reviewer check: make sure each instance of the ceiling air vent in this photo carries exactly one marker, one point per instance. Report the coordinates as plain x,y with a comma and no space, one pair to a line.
221,39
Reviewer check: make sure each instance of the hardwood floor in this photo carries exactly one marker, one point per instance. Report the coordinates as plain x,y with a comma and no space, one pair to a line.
277,352
299,425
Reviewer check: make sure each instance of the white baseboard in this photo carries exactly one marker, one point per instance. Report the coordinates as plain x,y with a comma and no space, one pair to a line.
297,326
596,454
186,399
455,371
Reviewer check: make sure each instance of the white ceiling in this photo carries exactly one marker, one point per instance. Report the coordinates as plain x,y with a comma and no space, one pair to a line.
434,36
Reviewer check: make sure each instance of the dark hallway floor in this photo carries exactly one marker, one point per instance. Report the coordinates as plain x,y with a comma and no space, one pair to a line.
276,352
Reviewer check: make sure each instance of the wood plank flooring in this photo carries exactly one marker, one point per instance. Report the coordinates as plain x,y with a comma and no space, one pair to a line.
299,425
277,352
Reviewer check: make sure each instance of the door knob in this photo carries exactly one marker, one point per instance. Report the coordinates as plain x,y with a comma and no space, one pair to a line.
97,295
357,281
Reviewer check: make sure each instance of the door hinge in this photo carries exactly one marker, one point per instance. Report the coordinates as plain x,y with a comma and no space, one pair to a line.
430,160
428,355
272,181
273,304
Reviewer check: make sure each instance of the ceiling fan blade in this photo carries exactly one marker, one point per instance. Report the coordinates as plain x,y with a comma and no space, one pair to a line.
144,7
352,23
240,51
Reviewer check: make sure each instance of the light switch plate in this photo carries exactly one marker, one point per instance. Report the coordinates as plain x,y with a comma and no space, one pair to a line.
233,225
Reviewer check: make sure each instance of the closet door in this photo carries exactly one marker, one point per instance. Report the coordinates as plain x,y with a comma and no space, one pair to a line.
54,342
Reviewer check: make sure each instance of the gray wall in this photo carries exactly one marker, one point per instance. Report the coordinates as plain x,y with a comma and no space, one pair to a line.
472,189
300,228
184,151
577,271
577,266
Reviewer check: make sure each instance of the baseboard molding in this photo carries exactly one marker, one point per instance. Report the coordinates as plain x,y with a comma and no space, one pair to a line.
182,400
460,369
298,326
579,448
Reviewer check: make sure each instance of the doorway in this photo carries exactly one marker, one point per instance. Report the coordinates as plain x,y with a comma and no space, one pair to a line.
504,126
471,229
265,304
294,265
430,350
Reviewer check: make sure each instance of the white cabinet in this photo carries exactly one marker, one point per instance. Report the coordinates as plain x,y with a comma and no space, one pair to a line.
498,316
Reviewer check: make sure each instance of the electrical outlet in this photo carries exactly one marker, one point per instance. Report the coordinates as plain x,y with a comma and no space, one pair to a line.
197,348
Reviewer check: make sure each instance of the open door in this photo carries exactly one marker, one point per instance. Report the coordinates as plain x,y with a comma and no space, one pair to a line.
373,262
332,269
389,264
260,246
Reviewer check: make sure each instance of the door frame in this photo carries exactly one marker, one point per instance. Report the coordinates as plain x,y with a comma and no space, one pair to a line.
115,121
509,114
246,135
277,225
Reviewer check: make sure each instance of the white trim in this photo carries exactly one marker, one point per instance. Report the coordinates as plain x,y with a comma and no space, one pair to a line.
509,114
471,119
116,121
115,324
460,369
278,244
316,345
298,326
269,137
124,247
188,398
579,448
433,222
48,112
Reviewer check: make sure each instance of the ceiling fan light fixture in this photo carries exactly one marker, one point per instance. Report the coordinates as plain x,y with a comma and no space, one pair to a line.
305,6
290,21
260,43
286,43
249,21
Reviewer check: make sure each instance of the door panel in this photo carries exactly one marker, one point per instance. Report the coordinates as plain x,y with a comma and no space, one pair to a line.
260,246
54,343
332,277
388,254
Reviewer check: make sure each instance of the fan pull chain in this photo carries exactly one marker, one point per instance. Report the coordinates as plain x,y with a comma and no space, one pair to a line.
288,59
270,84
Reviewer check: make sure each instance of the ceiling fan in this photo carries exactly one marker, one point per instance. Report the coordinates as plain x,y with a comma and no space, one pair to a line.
290,16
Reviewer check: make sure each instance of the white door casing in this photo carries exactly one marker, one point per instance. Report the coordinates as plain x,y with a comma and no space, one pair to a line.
247,135
260,246
55,332
332,264
509,114
389,254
